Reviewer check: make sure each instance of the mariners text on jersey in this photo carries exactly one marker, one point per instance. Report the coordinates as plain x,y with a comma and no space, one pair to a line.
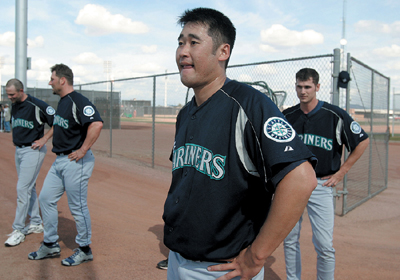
60,122
316,141
201,159
22,123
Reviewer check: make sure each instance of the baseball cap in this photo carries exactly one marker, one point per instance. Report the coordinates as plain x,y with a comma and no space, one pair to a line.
344,78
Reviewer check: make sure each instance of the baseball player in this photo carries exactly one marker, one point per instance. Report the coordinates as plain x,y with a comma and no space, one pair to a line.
233,152
325,129
77,125
29,116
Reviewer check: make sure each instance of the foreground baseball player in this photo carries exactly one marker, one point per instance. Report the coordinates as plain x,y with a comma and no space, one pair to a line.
325,129
77,125
233,152
29,116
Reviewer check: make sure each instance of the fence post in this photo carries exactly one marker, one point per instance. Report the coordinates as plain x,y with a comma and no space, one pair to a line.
154,121
111,110
388,136
336,69
372,137
346,153
393,110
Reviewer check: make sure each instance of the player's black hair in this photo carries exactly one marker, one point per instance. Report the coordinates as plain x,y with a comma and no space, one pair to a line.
16,83
307,73
220,27
63,70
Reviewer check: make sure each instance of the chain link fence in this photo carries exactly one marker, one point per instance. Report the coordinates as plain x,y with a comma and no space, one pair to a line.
140,117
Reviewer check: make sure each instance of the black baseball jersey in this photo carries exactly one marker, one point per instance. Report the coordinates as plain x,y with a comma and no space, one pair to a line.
28,119
325,130
229,155
74,113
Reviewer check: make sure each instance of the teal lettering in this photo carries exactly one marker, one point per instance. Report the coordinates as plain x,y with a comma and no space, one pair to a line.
200,158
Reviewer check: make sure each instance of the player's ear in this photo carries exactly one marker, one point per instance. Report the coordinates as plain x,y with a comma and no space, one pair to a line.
224,52
317,87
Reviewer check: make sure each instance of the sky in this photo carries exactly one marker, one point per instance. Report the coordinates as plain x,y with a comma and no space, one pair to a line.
139,38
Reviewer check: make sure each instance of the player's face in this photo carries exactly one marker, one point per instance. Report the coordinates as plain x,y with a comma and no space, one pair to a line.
196,60
55,83
14,95
306,91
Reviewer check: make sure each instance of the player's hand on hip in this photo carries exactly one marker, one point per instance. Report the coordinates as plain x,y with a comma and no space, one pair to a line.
333,180
76,155
243,266
37,144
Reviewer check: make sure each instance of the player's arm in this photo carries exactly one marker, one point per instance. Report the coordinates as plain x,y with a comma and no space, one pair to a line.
93,133
290,199
38,144
334,179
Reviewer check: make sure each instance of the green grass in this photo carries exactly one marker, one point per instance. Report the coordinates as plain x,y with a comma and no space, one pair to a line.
394,138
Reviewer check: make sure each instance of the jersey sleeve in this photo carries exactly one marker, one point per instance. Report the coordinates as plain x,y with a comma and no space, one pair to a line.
46,112
353,133
87,112
280,149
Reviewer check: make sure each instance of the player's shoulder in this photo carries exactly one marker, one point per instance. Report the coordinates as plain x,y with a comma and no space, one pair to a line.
291,110
234,87
246,95
80,100
76,96
38,102
334,109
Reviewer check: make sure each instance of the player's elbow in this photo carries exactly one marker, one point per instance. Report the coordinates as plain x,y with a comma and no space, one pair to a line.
97,125
306,175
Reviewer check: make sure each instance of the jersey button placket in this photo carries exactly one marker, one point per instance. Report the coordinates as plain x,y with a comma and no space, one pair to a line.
193,117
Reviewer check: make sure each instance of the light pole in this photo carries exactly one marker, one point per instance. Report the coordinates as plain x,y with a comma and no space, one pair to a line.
343,41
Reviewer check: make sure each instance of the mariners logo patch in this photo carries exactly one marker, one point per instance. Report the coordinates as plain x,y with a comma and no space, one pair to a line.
88,111
355,127
279,130
50,111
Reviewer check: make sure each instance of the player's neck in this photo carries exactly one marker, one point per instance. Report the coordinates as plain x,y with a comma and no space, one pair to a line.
66,90
309,106
24,97
203,93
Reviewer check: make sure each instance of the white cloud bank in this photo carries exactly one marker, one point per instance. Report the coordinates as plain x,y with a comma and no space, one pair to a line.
88,58
392,51
8,39
279,36
149,49
99,21
373,26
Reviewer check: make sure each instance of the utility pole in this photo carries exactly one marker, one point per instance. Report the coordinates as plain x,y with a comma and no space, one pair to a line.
343,41
21,42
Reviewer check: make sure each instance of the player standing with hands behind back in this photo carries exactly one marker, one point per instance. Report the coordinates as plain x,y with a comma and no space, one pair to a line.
230,157
77,125
324,128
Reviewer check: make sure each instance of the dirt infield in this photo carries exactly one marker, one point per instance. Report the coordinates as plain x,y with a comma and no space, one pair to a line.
126,204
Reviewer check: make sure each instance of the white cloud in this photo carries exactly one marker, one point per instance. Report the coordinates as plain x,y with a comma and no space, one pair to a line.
88,58
267,48
392,51
149,49
7,39
42,65
99,21
278,35
394,65
148,68
37,43
374,26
